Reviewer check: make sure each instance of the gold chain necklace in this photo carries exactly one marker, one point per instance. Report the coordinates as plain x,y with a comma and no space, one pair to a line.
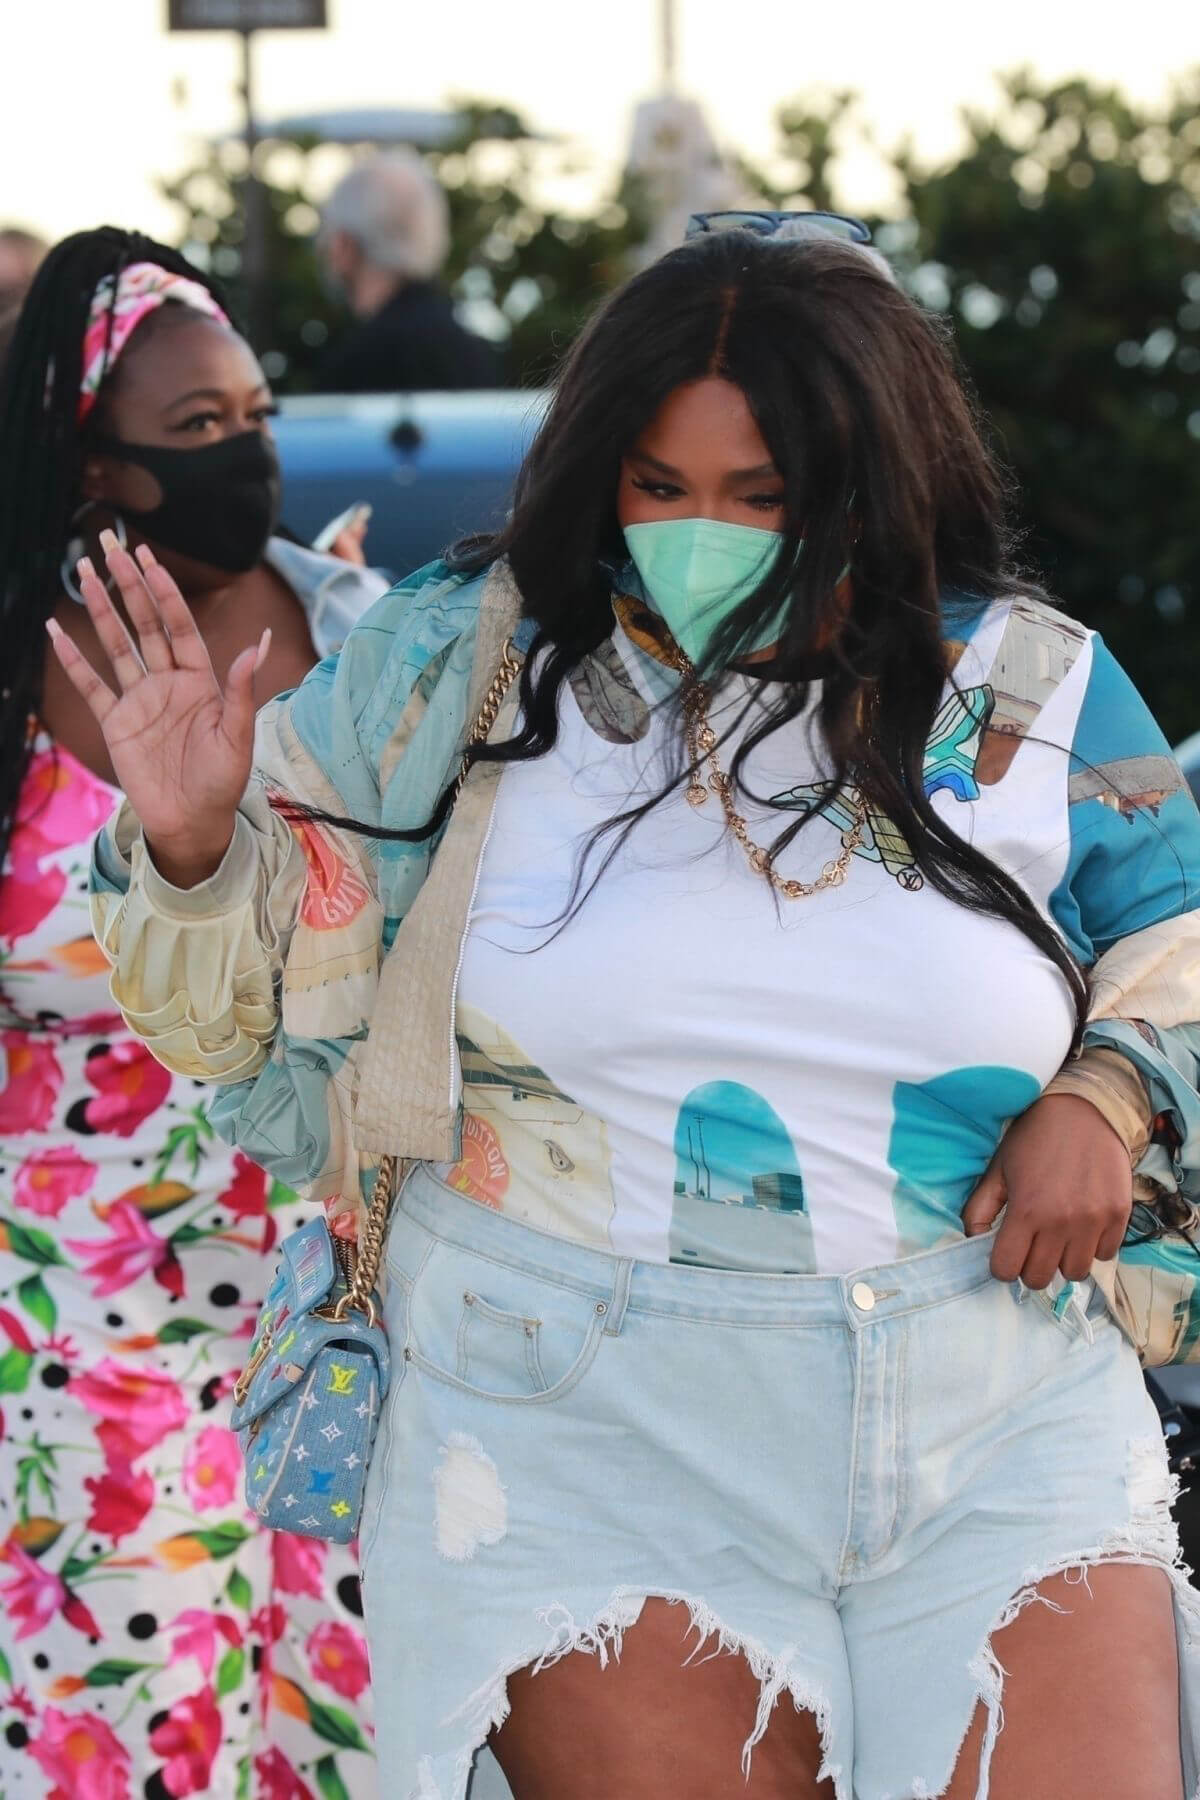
702,747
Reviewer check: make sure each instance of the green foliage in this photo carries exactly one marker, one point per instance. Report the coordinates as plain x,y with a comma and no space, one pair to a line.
335,1725
1064,244
36,1298
113,1672
15,1366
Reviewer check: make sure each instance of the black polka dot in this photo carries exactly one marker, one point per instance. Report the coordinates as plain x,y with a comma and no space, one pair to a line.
41,1660
16,1735
210,1393
27,1412
137,1162
142,1625
155,1788
256,1657
244,1707
224,1294
114,1319
55,1375
349,1592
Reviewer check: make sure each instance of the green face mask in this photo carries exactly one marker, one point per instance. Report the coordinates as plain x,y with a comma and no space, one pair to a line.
696,572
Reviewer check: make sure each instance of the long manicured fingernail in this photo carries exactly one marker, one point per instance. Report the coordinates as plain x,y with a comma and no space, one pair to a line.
55,629
145,556
108,541
260,655
85,566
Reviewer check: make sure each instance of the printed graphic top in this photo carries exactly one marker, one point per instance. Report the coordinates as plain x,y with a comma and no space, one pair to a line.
687,1068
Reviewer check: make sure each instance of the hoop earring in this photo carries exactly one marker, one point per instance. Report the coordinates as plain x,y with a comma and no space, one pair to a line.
75,549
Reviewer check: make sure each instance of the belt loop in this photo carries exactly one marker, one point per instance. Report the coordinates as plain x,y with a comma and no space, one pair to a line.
620,1298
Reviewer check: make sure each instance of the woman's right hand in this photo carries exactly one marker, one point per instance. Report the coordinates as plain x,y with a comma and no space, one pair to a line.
181,748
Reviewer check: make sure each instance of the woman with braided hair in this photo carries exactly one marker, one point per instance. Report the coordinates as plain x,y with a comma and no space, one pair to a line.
150,1642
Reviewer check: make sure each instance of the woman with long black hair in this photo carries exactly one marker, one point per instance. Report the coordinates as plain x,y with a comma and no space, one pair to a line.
148,1639
758,1422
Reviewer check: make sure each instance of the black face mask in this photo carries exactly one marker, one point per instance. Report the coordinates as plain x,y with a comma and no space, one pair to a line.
219,503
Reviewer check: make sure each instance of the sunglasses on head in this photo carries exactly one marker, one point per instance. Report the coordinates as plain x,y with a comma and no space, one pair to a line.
782,224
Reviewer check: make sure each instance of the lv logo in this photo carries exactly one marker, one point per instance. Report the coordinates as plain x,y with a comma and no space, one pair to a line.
341,1379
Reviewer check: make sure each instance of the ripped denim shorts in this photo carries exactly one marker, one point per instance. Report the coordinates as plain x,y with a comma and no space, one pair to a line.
866,1441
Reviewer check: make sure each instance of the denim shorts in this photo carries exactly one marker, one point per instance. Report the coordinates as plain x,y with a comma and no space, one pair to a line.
852,1481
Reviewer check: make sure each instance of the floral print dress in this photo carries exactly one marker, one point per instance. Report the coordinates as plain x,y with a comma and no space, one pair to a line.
153,1642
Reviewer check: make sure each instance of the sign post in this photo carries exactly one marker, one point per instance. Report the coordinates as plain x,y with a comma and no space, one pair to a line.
247,17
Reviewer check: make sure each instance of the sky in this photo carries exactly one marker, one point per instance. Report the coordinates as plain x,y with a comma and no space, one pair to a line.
98,98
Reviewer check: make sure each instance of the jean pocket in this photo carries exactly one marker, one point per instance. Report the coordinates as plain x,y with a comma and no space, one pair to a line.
497,1332
1077,1308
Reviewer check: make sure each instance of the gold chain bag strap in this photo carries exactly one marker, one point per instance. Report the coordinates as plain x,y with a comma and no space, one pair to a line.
363,1272
318,1369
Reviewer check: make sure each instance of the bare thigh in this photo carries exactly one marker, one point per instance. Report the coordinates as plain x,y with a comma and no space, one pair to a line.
1091,1694
651,1724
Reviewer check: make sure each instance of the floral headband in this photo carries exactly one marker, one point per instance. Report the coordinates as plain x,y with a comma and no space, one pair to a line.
118,307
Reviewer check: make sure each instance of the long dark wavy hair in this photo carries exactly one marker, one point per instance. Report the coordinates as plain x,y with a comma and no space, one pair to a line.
41,463
859,398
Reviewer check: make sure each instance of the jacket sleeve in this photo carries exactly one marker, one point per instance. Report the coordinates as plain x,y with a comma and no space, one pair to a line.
194,971
198,974
1129,903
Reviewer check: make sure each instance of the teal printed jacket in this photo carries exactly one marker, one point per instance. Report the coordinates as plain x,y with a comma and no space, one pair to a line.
313,977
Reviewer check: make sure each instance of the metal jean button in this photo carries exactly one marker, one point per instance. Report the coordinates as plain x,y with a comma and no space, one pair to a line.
863,1296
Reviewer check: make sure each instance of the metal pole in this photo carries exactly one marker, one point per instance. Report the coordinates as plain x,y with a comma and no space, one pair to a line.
666,20
254,244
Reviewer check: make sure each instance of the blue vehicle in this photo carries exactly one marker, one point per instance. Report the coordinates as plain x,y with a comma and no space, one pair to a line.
431,466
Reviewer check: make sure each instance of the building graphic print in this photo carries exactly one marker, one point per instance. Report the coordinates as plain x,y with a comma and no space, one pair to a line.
528,1148
739,1195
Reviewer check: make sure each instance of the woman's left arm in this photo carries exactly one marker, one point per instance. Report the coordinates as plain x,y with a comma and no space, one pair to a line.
1123,1116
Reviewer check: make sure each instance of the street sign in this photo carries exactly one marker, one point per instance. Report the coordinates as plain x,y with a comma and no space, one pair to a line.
246,15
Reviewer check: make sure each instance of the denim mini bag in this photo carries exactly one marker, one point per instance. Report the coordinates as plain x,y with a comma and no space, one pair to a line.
306,1406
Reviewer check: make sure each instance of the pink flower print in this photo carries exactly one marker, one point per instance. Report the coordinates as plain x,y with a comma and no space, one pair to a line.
246,1195
195,1633
131,1086
80,1616
34,1081
120,1500
20,1702
296,1563
34,1595
62,803
46,1180
277,1780
269,1622
131,1251
189,1737
137,1407
338,1657
212,1468
82,1756
27,896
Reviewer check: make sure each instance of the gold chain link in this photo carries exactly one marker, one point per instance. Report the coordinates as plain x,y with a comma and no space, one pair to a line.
702,747
365,1264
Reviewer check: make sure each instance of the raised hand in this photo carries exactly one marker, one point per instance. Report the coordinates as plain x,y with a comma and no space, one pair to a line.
180,747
